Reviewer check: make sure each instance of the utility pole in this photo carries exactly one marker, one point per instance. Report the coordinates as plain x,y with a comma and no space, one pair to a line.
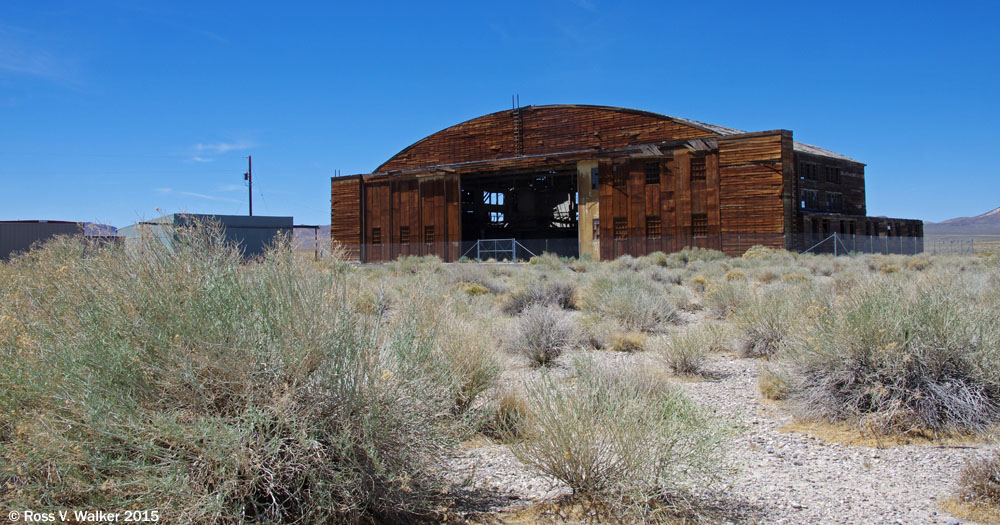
248,176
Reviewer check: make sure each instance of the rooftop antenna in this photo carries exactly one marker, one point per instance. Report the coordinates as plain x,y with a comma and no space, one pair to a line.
248,177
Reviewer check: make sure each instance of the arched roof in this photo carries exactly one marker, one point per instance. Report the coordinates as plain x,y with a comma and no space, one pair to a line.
546,130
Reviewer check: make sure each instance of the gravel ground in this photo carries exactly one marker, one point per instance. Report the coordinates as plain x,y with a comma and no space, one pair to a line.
781,477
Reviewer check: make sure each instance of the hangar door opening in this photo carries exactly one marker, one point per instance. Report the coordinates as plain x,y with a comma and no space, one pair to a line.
537,207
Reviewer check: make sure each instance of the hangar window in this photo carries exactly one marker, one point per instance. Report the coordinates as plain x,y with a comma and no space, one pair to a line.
653,227
493,197
810,199
496,217
834,201
593,178
807,170
699,225
404,235
620,228
428,234
652,173
698,168
597,229
376,235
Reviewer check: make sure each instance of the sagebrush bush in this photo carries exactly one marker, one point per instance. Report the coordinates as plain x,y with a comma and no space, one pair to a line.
541,333
217,390
684,352
507,417
636,302
979,480
904,355
627,342
765,321
541,290
628,440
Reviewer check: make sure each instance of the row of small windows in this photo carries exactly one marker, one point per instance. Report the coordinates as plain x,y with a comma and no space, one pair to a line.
810,200
619,177
654,227
810,171
404,235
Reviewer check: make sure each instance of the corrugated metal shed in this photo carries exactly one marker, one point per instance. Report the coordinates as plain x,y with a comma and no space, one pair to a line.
19,236
251,234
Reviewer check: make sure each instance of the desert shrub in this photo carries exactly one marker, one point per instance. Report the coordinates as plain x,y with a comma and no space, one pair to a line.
774,255
684,352
476,274
636,302
215,389
699,283
735,275
773,383
548,261
889,269
794,278
979,480
411,264
472,289
663,275
918,264
689,254
542,333
543,290
722,298
764,322
627,342
469,356
657,258
901,355
507,417
629,440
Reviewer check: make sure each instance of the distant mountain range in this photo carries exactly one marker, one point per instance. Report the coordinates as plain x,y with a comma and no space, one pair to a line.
985,224
303,239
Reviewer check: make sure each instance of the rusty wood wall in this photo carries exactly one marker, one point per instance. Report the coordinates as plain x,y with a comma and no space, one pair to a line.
427,207
545,129
754,188
345,213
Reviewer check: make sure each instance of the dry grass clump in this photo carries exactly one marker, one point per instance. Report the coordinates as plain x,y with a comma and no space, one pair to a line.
412,265
774,384
979,481
722,298
541,333
628,342
904,356
628,440
764,322
217,390
684,353
541,290
483,276
507,417
637,303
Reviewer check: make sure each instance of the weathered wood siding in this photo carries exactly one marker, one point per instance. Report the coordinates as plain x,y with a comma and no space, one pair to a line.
754,189
402,217
345,213
543,130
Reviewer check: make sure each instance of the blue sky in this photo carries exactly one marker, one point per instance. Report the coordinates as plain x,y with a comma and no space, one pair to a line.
110,110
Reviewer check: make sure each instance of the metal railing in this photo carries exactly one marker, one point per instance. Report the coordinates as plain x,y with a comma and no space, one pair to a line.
498,249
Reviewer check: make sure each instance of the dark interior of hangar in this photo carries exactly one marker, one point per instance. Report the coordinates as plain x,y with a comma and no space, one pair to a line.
537,207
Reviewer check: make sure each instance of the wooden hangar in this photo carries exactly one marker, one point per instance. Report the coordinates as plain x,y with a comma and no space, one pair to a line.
603,182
